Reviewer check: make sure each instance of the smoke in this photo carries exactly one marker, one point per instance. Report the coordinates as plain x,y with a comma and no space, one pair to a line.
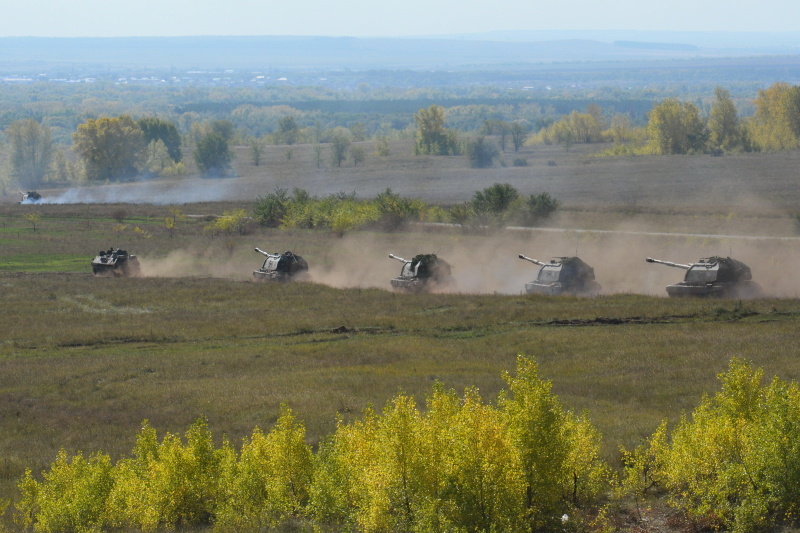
189,190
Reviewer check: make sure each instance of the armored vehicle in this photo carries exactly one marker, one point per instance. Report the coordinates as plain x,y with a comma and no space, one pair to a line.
562,275
30,197
423,272
720,277
280,267
115,263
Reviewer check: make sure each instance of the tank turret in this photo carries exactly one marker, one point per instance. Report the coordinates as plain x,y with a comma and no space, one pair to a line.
115,263
720,277
422,272
280,267
562,275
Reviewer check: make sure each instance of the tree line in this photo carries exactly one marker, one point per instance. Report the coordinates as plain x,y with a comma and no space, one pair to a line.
119,148
524,463
679,127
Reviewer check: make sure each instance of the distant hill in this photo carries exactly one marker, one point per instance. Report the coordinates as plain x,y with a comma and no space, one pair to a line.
736,43
479,51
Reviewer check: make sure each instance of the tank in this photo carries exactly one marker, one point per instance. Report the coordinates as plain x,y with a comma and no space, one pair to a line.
280,267
422,272
115,263
562,275
716,277
31,197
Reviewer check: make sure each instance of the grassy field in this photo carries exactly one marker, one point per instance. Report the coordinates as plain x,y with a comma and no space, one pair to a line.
85,360
733,185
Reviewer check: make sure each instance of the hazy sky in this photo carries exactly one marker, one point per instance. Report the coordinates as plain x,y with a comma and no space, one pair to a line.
111,18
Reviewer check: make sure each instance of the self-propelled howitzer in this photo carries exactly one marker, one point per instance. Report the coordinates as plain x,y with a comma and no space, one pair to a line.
562,275
422,272
280,267
720,277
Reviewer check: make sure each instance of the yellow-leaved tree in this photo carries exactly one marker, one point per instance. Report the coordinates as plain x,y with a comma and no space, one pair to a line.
559,451
269,483
733,464
776,122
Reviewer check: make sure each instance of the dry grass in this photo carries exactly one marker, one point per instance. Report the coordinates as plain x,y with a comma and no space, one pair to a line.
732,187
84,360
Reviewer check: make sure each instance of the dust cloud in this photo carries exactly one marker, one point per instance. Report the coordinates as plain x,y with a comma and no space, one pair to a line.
489,264
211,262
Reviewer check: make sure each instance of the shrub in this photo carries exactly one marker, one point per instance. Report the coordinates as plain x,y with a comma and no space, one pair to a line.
174,170
70,497
396,211
493,205
461,214
462,465
481,152
736,461
559,452
538,207
234,221
167,484
270,481
270,209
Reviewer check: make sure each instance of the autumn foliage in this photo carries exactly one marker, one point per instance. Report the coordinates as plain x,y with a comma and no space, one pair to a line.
458,465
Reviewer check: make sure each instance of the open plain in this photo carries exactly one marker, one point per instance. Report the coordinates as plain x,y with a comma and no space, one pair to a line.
85,360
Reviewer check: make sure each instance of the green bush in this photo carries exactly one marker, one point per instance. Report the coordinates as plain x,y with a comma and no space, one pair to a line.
395,211
493,205
270,209
538,207
481,152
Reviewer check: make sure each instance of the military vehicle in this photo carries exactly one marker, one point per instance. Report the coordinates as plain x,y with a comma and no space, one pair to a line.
720,277
562,275
30,197
280,267
423,272
115,263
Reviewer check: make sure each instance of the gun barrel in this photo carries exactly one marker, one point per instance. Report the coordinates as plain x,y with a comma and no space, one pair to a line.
532,260
398,258
262,252
668,263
